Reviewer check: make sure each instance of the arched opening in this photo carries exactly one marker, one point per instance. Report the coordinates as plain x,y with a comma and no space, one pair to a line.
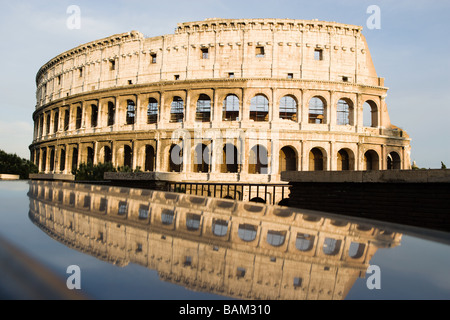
52,159
356,250
259,108
370,114
111,113
344,112
49,119
371,161
175,159
66,119
316,160
258,200
247,232
56,122
230,159
220,228
258,160
331,247
345,160
231,108
149,158
152,111
284,202
79,118
288,108
177,110
202,159
74,159
131,112
203,113
94,116
44,159
304,242
127,156
288,159
90,155
394,161
62,160
107,155
317,110
276,238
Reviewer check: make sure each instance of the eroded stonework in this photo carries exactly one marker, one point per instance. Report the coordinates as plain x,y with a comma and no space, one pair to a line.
234,100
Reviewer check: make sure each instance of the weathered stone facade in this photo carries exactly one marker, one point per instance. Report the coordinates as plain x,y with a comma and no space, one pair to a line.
237,100
225,247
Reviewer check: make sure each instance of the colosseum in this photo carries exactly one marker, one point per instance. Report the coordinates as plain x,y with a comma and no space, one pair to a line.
219,100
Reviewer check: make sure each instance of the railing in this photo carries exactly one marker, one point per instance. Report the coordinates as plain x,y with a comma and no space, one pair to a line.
257,192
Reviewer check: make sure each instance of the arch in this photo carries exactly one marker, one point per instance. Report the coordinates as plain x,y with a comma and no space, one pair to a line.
258,160
317,110
259,108
90,155
111,113
304,242
62,160
44,159
331,247
356,250
66,119
394,161
370,114
258,200
288,108
74,159
202,159
371,160
152,111
344,111
220,228
203,112
78,118
193,222
127,156
231,106
107,154
276,238
131,112
49,119
316,160
177,110
284,202
345,160
176,158
230,159
56,122
247,232
52,159
94,115
149,158
288,159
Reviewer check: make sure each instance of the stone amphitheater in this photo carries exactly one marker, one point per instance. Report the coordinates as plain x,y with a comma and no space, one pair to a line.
219,100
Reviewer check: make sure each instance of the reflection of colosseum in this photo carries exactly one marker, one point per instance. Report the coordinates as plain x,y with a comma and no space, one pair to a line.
235,249
256,97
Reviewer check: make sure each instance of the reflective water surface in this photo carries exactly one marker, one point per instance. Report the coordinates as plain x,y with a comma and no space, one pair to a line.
142,244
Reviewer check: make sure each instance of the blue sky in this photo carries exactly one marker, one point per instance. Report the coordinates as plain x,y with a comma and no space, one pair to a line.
411,51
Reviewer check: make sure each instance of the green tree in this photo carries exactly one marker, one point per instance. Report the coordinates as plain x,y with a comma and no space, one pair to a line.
443,166
13,164
89,172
